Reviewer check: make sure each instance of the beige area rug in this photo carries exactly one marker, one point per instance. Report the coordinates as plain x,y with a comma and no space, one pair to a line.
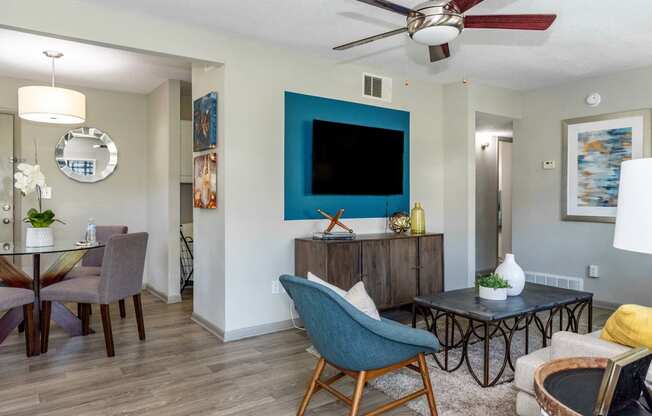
457,393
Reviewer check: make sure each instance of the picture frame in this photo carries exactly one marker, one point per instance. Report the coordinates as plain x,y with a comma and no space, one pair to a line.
204,185
593,149
204,117
623,382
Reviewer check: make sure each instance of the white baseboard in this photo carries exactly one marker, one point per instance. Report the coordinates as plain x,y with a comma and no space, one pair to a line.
242,333
254,331
217,332
603,304
162,296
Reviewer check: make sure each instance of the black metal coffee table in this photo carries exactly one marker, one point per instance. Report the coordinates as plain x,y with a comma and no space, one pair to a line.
489,319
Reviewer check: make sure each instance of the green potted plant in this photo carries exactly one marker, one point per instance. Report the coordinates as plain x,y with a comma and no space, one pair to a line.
30,179
493,287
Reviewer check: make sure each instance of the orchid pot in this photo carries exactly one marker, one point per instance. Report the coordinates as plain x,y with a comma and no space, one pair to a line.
30,179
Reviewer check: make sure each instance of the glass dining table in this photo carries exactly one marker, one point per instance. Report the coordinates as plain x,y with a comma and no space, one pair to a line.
69,254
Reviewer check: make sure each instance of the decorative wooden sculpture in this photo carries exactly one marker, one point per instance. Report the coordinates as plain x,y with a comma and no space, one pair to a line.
335,220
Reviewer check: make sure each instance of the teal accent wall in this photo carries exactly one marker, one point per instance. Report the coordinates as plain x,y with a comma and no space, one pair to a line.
300,111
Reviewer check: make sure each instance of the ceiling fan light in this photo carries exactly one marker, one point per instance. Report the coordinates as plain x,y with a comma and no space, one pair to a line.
51,105
436,35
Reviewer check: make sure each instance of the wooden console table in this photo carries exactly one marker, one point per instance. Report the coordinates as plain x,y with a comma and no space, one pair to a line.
394,267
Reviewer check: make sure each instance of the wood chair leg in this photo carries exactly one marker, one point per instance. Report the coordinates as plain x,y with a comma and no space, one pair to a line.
357,395
46,315
123,311
108,333
425,376
138,306
80,310
85,318
28,319
319,369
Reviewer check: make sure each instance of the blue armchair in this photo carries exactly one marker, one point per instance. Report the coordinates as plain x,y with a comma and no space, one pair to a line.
357,345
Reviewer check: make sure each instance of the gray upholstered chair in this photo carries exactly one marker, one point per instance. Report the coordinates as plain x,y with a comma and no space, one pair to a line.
91,263
121,276
13,298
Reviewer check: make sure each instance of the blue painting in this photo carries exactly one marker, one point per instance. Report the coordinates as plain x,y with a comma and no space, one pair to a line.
205,122
599,156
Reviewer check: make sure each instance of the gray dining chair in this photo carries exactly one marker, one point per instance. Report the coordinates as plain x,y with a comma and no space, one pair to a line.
91,263
11,299
121,276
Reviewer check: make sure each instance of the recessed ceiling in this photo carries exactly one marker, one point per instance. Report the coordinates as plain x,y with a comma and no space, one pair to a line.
590,37
87,65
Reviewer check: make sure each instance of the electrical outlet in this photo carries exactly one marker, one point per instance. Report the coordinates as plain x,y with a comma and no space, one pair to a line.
276,287
548,164
46,192
594,271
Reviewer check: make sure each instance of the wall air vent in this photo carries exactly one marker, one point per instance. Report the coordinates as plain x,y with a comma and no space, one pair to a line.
377,87
564,282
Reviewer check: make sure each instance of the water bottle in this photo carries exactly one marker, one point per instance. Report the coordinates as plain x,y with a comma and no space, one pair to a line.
90,232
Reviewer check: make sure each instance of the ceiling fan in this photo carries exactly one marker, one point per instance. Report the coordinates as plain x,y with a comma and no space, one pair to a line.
437,22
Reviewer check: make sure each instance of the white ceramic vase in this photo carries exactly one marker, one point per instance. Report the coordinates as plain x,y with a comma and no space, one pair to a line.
39,237
512,272
490,293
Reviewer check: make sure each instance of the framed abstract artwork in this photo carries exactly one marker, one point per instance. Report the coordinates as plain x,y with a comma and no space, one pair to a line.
593,150
205,122
204,187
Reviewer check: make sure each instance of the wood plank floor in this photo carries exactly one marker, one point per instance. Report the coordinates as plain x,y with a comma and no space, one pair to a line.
180,370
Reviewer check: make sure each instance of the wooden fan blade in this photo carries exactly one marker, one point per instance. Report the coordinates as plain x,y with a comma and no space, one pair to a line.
370,39
392,7
464,5
510,21
439,52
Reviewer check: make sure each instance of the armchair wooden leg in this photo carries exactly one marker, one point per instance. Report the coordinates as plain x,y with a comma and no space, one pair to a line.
425,376
312,386
123,311
108,333
46,315
28,319
357,395
138,306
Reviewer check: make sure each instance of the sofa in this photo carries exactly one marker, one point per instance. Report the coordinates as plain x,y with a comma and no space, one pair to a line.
563,345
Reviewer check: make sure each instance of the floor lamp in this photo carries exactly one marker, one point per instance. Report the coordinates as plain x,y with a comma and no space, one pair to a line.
634,218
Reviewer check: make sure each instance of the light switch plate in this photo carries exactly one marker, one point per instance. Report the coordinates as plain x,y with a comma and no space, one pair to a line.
46,192
548,164
594,271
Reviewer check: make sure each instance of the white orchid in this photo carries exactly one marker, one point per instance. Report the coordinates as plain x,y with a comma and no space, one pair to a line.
29,178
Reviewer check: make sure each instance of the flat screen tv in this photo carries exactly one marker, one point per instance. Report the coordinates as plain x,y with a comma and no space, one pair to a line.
356,160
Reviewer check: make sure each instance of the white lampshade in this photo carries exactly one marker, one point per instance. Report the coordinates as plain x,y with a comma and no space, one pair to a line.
634,218
51,105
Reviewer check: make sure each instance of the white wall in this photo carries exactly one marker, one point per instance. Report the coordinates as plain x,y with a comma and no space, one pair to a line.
260,243
163,212
542,242
209,290
119,199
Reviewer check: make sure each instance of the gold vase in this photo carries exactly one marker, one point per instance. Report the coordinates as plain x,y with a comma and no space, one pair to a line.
417,220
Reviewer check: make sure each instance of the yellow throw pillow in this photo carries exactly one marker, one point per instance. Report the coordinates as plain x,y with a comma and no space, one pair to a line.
630,325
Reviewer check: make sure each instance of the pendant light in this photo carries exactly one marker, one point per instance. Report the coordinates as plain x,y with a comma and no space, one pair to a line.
51,104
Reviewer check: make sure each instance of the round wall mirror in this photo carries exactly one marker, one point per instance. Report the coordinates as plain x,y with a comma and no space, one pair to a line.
86,154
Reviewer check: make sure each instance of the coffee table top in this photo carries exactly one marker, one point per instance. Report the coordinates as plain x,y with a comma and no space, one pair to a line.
466,303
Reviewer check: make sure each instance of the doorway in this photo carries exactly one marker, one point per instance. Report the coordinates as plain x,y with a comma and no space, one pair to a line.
6,181
493,192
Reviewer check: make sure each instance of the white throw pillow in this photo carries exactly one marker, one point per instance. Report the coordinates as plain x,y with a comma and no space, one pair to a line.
313,278
356,296
359,298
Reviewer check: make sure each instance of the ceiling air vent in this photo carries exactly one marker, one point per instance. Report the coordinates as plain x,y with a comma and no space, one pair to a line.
377,87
